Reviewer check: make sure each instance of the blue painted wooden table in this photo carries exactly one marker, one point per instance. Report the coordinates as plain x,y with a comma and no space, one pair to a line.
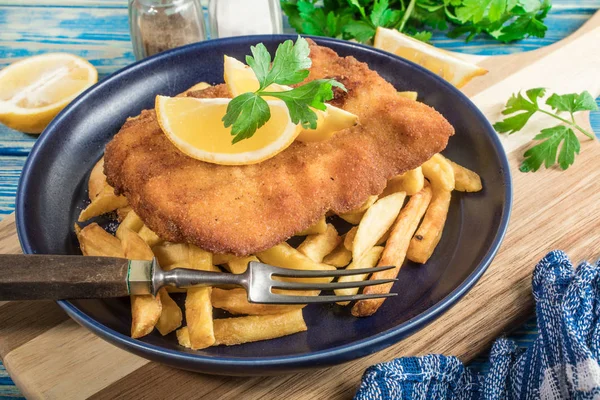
98,31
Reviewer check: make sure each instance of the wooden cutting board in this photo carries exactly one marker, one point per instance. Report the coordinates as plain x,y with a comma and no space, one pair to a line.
50,356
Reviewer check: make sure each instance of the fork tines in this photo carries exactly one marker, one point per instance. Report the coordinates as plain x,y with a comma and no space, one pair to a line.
329,286
295,273
284,299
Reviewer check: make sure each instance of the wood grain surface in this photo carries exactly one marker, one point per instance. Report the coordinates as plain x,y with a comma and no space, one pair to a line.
49,356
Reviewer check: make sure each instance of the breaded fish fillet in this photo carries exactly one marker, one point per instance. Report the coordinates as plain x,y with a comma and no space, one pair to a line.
246,209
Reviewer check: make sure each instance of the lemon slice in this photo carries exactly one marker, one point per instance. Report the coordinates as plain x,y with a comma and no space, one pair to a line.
241,79
453,69
196,128
35,89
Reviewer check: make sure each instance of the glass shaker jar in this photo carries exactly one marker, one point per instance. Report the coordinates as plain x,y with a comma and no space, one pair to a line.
159,25
244,17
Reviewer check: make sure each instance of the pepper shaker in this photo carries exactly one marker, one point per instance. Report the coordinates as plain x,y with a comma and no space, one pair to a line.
244,17
159,25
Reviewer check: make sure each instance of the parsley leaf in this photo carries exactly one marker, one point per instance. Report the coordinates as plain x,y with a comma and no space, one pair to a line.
261,62
497,9
423,36
381,15
245,114
572,102
518,103
545,152
290,65
360,8
530,24
360,30
249,111
312,94
472,10
552,139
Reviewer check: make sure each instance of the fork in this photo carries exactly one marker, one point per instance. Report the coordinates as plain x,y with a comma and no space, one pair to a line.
56,277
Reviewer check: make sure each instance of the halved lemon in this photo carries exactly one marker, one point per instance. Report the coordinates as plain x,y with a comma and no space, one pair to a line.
35,89
453,69
196,128
240,79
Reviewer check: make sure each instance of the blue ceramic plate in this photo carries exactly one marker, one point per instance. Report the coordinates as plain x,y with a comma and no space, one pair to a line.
53,185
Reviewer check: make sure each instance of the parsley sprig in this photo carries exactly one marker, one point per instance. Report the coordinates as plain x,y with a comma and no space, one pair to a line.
551,139
249,111
503,20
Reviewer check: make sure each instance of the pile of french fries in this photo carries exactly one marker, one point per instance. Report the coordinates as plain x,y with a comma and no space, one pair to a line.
405,222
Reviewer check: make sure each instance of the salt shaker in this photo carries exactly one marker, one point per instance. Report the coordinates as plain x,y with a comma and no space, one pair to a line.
244,17
159,25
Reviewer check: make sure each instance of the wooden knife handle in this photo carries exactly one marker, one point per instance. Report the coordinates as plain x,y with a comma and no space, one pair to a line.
55,277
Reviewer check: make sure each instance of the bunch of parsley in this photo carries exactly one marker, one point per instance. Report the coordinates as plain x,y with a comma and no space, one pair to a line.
503,20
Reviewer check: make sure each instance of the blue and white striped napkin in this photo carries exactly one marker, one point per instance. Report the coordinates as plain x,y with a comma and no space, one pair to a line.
562,363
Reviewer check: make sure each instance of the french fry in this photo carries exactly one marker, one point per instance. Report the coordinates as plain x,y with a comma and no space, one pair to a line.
285,256
170,316
439,172
235,301
123,212
198,313
106,201
369,260
429,233
131,222
351,234
410,182
395,249
200,259
385,237
352,218
197,86
95,241
134,246
339,257
97,180
409,95
220,259
145,312
145,309
198,306
377,220
149,236
465,179
238,330
183,337
349,237
168,254
239,265
319,227
365,206
316,247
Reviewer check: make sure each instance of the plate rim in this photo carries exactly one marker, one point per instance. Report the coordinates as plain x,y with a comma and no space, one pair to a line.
320,358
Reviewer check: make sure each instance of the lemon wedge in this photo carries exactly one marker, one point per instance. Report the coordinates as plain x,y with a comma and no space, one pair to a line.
453,69
241,79
35,89
196,128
